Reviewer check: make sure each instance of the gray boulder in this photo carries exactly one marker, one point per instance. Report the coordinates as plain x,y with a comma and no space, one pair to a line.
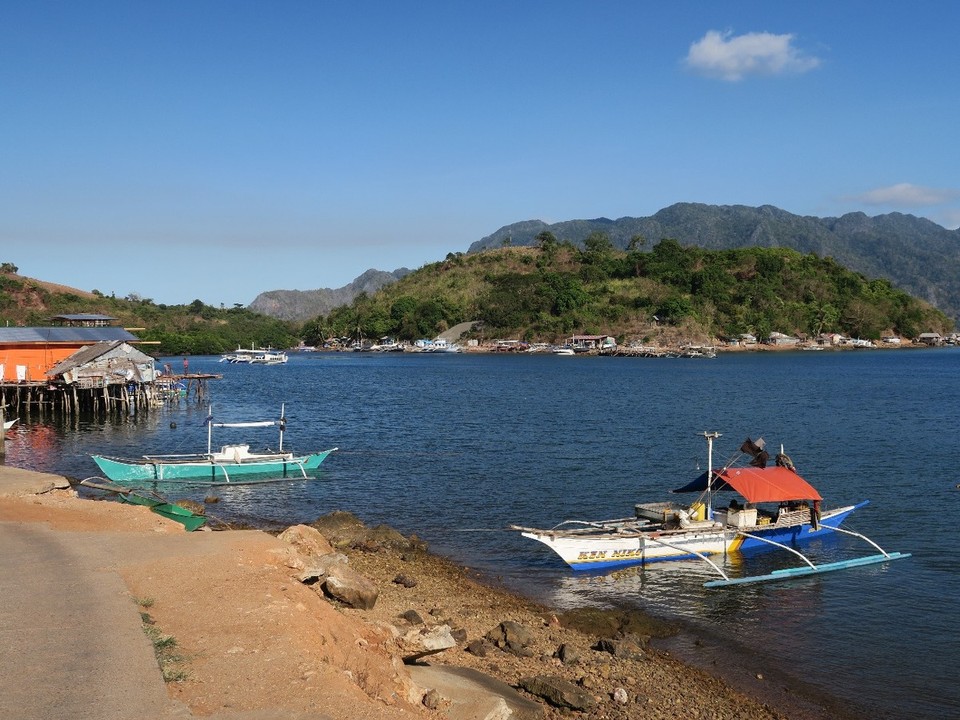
558,692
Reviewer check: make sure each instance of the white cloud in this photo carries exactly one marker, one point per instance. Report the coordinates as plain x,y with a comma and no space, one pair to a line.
724,56
905,194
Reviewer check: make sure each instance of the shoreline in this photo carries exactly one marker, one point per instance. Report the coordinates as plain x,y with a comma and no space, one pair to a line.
652,350
442,591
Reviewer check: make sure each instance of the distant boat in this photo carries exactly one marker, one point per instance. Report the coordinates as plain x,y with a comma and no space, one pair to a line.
437,345
230,465
255,356
563,350
387,344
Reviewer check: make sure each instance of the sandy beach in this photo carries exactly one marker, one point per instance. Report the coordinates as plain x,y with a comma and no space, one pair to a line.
253,640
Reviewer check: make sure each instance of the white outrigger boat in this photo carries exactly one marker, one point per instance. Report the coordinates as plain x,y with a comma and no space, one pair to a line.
672,531
255,356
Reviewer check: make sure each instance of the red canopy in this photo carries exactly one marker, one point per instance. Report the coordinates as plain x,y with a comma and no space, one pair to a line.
769,484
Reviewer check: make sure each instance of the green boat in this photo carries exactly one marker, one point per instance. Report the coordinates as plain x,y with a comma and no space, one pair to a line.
232,464
189,519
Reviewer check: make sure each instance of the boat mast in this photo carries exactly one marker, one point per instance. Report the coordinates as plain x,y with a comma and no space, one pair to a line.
283,424
209,427
710,436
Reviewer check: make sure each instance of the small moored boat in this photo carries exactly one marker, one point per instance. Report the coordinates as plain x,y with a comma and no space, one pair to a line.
232,464
673,531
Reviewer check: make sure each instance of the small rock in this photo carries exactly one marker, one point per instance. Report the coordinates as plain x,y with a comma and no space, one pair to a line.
626,648
432,700
620,696
412,617
480,648
512,637
567,655
405,580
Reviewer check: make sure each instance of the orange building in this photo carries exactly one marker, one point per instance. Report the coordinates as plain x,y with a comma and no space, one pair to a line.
27,353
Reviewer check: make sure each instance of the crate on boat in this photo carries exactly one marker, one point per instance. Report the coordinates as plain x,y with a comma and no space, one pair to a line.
746,517
658,511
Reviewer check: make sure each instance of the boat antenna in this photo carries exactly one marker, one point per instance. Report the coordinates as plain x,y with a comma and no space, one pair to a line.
710,436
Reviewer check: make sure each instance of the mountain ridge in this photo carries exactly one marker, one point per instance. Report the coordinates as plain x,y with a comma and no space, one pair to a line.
300,305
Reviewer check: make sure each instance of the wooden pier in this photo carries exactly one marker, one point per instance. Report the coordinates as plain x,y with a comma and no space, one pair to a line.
56,399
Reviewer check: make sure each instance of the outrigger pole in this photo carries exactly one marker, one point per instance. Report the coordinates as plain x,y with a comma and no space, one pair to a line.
810,568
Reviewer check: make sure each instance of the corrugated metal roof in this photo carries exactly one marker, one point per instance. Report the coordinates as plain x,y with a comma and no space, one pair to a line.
81,356
64,334
131,356
84,316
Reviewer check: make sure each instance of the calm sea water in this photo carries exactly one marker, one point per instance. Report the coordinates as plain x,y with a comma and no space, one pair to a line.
456,447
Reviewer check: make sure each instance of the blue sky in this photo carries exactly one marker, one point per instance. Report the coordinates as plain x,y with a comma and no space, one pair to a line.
216,150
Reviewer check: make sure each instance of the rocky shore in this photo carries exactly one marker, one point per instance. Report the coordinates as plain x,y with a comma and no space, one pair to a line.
337,620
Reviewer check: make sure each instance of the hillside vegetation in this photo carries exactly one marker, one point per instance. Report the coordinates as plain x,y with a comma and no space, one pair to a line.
555,289
194,329
915,254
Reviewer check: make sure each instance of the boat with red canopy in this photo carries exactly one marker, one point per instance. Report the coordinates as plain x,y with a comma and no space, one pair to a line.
776,508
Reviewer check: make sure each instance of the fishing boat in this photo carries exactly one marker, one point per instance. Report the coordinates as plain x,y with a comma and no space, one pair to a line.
232,464
779,509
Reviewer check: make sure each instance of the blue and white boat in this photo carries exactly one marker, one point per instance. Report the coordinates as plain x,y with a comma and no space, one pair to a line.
778,509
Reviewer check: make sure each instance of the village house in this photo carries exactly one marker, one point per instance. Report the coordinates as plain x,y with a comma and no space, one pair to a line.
930,338
103,364
830,339
582,343
27,353
779,339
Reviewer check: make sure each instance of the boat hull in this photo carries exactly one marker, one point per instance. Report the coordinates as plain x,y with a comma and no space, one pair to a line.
204,469
619,548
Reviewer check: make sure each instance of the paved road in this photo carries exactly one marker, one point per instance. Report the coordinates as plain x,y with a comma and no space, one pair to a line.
71,642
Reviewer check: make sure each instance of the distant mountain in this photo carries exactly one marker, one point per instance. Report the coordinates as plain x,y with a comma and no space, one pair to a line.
915,254
300,305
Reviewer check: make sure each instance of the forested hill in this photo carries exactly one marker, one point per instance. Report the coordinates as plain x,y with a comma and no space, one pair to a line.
915,254
663,293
